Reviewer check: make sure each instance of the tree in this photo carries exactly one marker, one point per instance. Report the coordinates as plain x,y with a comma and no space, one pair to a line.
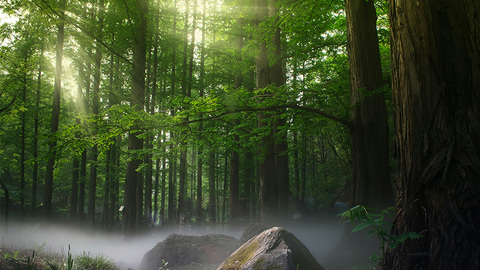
369,128
135,143
92,184
436,96
273,169
48,194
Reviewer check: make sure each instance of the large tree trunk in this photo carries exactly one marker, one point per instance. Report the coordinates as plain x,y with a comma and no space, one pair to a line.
135,143
369,129
268,185
436,95
371,185
274,190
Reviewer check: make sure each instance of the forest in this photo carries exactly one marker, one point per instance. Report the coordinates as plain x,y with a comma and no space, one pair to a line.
125,115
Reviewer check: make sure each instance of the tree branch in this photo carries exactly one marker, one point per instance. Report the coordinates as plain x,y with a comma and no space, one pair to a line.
72,22
271,108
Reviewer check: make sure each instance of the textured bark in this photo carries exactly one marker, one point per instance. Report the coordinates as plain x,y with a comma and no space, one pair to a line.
268,185
130,221
369,129
273,168
436,95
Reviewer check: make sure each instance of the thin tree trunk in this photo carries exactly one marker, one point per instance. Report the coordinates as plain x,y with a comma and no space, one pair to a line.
36,134
211,187
225,189
152,111
163,189
147,201
48,195
92,185
183,151
234,157
201,94
172,162
23,117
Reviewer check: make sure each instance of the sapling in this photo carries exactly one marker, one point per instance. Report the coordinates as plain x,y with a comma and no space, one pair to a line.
375,220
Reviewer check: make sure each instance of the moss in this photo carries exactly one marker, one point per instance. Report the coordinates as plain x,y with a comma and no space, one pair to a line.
241,257
260,265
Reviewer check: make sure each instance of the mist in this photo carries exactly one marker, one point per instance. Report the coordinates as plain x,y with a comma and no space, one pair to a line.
319,236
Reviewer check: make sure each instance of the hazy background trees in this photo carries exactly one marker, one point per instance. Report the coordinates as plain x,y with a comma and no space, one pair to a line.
165,112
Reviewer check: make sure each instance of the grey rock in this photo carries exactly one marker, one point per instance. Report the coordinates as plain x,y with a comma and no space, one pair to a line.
186,250
252,230
275,248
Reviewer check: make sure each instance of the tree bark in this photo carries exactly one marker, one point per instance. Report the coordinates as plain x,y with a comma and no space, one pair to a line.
92,185
273,168
369,128
172,161
48,193
212,212
23,117
135,143
436,96
36,133
182,211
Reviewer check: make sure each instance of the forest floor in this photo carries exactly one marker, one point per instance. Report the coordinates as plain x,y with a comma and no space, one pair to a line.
20,259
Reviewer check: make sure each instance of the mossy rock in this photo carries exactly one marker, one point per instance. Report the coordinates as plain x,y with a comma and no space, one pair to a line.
273,249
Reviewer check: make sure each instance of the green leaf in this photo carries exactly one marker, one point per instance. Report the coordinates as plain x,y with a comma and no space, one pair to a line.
361,226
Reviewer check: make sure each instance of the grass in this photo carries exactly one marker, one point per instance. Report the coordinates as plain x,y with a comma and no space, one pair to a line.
18,259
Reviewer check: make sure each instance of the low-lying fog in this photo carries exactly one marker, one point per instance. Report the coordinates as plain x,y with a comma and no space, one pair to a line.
320,237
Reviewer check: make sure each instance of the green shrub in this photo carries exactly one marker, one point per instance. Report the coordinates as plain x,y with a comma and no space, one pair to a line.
98,262
375,221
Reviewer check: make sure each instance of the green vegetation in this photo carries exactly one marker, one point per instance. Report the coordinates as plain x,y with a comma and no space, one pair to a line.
97,262
375,221
215,111
20,260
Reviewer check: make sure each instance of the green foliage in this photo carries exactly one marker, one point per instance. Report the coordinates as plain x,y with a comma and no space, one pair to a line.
99,262
375,221
11,256
164,265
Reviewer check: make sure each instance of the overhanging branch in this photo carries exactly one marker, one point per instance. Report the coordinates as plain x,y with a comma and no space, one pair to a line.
270,108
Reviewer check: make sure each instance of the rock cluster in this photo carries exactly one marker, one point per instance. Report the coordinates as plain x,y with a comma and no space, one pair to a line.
275,248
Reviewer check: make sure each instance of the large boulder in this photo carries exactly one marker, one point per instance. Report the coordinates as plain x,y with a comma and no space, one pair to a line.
186,250
275,248
252,230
